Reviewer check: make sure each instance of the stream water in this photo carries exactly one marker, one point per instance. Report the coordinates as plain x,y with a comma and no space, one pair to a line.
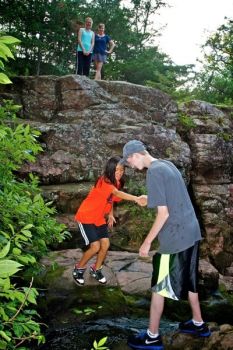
117,330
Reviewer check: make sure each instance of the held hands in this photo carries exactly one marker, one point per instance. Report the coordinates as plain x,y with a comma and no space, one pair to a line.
142,200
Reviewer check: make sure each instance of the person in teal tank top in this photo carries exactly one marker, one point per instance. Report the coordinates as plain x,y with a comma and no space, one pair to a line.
86,39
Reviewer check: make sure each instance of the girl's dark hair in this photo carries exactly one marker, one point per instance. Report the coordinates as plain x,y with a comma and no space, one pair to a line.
109,171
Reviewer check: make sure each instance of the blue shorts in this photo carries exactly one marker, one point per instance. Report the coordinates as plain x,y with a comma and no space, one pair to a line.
92,233
174,275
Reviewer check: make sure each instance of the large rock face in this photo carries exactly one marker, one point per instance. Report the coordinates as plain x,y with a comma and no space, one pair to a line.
83,122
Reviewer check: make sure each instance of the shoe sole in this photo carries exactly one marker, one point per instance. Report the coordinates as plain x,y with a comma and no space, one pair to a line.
146,347
204,335
78,283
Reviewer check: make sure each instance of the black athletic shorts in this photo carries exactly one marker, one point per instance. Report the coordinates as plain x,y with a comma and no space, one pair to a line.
174,275
92,233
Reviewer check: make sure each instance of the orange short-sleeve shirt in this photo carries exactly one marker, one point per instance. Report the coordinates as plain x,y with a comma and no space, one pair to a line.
97,204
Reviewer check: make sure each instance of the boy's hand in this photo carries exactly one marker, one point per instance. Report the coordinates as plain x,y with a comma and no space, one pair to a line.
144,249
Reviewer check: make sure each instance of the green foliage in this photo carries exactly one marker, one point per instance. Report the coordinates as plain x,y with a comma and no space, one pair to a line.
26,229
215,81
87,311
5,43
100,344
225,136
186,121
48,37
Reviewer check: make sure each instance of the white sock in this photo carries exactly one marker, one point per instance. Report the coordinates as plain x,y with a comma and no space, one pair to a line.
152,335
196,323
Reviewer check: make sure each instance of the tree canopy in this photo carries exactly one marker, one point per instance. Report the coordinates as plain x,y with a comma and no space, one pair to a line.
215,81
48,38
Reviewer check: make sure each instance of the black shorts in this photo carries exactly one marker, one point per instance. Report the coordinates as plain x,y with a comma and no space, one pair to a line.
174,275
92,233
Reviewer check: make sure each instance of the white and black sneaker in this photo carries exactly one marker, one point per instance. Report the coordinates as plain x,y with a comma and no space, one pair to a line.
143,341
78,275
97,274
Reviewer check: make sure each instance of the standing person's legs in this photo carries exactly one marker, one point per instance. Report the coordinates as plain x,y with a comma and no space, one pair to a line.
86,65
80,62
98,66
150,339
196,325
195,306
156,310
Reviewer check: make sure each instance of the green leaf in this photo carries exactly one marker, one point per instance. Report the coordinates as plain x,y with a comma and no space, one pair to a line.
3,344
5,336
41,339
6,39
23,259
3,315
3,56
102,341
5,50
20,296
18,329
31,297
27,227
7,284
26,233
9,268
78,312
5,250
4,79
16,251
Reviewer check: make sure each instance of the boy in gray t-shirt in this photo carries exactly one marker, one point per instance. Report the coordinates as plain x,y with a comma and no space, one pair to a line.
166,187
175,265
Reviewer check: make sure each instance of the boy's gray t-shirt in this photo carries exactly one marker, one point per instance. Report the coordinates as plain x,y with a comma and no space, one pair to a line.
166,187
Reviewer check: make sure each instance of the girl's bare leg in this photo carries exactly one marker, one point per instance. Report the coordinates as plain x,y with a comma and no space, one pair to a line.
104,245
98,66
89,253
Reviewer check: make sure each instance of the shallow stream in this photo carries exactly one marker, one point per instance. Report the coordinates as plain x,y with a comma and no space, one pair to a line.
117,330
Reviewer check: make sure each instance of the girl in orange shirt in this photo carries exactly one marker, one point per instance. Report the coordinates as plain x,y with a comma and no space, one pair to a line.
91,218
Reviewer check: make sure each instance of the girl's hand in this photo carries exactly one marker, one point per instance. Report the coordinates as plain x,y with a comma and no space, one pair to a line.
111,221
142,200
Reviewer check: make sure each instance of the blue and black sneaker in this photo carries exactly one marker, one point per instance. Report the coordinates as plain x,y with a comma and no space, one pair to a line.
144,341
190,328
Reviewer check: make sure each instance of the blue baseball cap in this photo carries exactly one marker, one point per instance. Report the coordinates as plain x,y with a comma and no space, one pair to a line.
131,147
